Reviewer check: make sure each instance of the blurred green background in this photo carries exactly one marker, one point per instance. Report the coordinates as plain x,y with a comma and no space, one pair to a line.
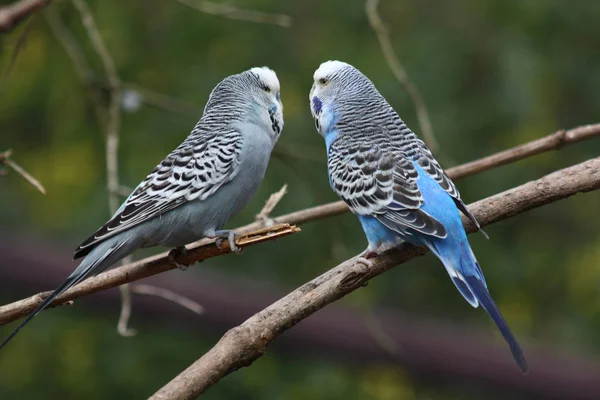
493,74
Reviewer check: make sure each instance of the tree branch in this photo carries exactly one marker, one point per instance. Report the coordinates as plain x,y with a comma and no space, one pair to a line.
551,142
142,269
160,262
400,73
68,41
229,11
169,295
114,106
433,348
13,14
554,141
264,216
242,345
19,46
6,160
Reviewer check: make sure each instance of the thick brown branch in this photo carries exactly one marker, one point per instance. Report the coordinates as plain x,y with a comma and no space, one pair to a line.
13,14
142,269
242,345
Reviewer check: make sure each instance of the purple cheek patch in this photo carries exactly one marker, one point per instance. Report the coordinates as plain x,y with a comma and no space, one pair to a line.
317,105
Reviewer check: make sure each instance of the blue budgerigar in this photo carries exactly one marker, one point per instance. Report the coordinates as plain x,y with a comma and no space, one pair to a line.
392,182
199,186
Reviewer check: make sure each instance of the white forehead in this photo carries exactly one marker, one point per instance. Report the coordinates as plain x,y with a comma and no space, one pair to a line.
268,76
328,68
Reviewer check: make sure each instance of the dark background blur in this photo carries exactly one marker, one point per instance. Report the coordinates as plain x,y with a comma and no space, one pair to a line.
493,74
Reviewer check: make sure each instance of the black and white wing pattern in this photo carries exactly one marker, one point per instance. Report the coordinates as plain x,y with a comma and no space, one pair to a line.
193,171
415,148
379,183
432,167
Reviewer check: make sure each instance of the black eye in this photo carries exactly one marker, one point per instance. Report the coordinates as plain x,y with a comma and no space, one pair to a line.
267,89
323,81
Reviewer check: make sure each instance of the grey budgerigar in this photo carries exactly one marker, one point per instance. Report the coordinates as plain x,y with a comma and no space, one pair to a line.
199,186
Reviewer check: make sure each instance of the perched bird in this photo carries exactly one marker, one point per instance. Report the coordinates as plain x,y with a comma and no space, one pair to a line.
199,186
392,182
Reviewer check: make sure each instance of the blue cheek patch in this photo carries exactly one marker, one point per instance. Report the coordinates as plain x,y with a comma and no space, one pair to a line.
317,105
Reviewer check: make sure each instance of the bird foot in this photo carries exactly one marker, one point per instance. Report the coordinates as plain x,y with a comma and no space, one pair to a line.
266,221
363,258
230,237
176,252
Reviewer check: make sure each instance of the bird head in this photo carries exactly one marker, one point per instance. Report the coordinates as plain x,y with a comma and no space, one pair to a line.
332,80
267,96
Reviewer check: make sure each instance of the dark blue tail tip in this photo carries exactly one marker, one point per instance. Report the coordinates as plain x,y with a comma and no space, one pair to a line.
521,362
524,367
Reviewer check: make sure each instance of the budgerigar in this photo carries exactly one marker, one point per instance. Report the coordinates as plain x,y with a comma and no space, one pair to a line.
392,182
197,188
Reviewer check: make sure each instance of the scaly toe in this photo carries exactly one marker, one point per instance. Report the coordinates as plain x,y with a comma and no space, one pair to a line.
364,261
174,253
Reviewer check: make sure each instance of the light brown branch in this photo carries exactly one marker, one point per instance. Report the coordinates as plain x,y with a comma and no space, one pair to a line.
554,141
113,123
125,314
400,73
143,269
232,12
242,345
6,160
169,295
517,153
13,14
264,215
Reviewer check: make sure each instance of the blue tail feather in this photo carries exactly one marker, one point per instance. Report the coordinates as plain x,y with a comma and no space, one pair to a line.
486,301
463,268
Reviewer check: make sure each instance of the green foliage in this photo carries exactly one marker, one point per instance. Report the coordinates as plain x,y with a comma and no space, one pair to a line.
493,74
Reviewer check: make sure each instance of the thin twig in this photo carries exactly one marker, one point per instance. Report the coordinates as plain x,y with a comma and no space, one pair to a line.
163,101
123,324
66,39
143,269
232,12
554,141
112,141
114,106
169,295
264,215
124,191
6,160
244,344
400,73
13,14
19,45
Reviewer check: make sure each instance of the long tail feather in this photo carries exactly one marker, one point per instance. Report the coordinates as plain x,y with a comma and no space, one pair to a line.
486,301
91,265
57,292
